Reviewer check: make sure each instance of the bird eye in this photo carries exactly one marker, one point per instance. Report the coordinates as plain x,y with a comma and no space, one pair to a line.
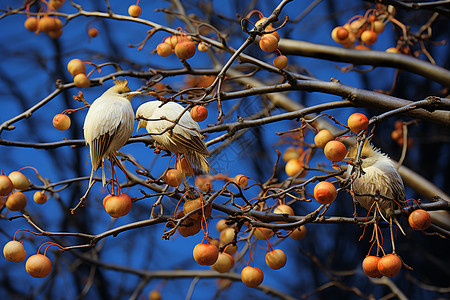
120,92
363,156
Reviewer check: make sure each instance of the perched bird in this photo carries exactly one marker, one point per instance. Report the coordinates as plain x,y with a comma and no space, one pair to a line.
109,124
378,173
184,138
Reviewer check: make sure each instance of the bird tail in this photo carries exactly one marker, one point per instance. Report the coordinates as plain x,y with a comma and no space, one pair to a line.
199,161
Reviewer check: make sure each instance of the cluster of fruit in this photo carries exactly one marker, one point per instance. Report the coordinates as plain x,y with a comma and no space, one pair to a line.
182,45
269,43
362,28
208,254
77,68
11,187
37,265
50,25
397,135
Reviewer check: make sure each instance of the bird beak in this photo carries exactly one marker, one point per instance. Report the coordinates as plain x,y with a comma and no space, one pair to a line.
130,95
349,159
139,126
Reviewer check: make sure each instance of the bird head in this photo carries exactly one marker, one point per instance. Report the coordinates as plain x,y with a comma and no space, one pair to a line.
122,89
146,110
369,154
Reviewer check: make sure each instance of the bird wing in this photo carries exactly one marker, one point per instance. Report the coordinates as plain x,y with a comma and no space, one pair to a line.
107,126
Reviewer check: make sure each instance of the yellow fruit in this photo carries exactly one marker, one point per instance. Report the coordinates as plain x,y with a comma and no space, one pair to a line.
14,251
322,138
38,266
76,66
81,81
134,11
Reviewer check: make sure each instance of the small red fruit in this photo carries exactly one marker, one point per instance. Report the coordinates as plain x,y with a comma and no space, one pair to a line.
134,11
61,122
389,265
370,266
252,276
325,192
185,49
369,37
16,201
268,43
298,233
293,166
280,62
81,81
335,151
76,66
419,219
224,263
32,24
118,206
173,177
19,180
322,138
38,266
163,49
358,122
199,113
205,254
241,180
6,185
93,32
276,259
14,251
40,197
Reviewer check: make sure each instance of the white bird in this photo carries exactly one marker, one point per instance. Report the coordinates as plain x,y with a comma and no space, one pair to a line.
379,174
184,138
108,125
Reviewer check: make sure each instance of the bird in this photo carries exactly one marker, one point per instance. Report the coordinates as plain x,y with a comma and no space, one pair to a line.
108,125
159,117
378,174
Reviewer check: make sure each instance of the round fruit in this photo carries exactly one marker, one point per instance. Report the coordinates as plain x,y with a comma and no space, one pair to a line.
191,205
322,138
378,26
221,225
292,152
38,266
205,254
40,197
361,47
93,32
81,81
358,122
224,263
47,24
293,166
252,276
173,177
185,49
16,201
203,47
419,219
55,4
231,249
55,33
268,43
61,122
19,180
340,35
325,192
276,259
335,151
188,227
241,180
261,233
14,251
199,113
369,37
280,62
163,49
154,295
32,24
118,206
370,266
389,265
284,209
76,66
298,233
227,235
134,11
172,41
6,185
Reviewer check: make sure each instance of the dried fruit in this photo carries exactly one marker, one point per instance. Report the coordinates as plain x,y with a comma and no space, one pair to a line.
40,197
61,122
199,113
268,43
81,81
252,276
419,219
14,251
6,185
335,151
370,266
298,233
118,206
173,177
19,181
325,192
76,66
276,259
224,263
38,266
16,201
205,254
185,49
322,138
163,49
389,265
241,180
280,62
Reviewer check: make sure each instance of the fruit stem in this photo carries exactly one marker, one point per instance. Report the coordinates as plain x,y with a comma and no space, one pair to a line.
53,244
